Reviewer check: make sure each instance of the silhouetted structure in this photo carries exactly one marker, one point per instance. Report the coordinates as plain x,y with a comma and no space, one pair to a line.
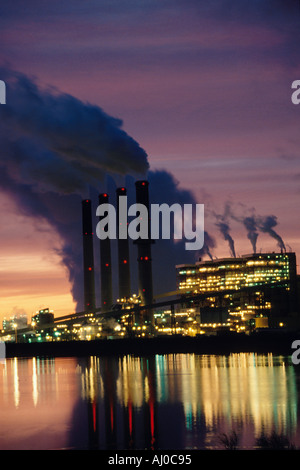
88,255
123,251
105,266
144,253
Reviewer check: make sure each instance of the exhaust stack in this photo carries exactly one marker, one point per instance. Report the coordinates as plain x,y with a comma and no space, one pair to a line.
144,252
88,256
123,252
105,266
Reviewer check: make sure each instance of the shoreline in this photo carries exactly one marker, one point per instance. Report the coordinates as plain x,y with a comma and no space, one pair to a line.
279,343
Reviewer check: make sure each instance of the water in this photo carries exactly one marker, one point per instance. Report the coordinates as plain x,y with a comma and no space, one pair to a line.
178,401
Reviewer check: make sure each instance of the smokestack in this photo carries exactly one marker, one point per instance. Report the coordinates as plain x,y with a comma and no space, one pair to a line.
105,266
88,256
144,252
123,251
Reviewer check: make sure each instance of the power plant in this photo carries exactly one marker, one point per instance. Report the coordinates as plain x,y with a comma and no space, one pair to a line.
235,294
208,278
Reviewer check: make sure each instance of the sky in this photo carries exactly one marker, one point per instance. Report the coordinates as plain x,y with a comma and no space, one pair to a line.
202,88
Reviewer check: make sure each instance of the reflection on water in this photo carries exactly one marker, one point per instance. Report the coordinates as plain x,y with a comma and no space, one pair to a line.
177,401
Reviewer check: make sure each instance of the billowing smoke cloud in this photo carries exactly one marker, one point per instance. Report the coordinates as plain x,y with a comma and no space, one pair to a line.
209,244
56,149
253,224
58,143
224,228
266,224
61,214
251,227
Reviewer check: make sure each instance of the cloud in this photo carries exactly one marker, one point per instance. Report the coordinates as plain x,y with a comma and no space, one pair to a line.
54,149
59,143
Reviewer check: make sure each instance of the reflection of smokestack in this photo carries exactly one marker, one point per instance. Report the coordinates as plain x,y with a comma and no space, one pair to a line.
123,251
144,249
105,266
88,256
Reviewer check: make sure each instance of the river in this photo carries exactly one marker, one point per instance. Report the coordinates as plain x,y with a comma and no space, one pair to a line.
174,401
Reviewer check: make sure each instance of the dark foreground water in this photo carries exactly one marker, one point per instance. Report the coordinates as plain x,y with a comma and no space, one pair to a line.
178,401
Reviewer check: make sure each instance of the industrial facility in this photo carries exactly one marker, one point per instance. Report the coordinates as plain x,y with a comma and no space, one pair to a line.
236,294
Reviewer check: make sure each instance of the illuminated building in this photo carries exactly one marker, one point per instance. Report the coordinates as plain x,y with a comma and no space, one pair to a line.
42,317
253,287
183,321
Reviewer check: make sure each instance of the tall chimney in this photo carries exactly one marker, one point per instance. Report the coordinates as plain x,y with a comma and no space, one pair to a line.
105,266
123,250
88,256
144,252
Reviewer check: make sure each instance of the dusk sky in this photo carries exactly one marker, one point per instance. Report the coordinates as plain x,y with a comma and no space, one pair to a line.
204,88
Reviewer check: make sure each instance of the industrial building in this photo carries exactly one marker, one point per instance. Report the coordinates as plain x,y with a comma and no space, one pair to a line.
255,290
240,294
42,317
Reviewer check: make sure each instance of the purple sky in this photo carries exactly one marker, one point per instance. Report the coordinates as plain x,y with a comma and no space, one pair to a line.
203,87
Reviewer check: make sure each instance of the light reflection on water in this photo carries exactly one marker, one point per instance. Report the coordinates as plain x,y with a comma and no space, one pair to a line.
176,401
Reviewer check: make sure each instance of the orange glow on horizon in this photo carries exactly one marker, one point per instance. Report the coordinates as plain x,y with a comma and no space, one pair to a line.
32,275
